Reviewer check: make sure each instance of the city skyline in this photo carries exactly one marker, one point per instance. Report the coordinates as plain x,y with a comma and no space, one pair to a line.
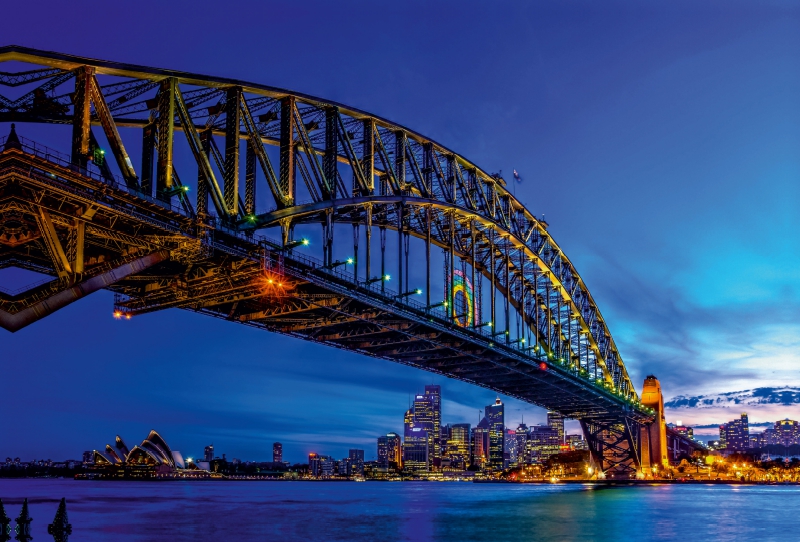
595,110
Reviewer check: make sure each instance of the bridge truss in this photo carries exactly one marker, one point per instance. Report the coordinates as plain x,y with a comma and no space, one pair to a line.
259,160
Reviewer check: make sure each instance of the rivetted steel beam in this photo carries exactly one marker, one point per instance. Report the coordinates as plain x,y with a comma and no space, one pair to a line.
112,135
15,322
287,149
166,125
233,122
81,118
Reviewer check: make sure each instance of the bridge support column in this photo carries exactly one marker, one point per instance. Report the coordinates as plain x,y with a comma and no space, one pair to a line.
656,432
615,447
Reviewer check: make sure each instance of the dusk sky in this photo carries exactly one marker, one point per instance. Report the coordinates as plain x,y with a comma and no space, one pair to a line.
661,140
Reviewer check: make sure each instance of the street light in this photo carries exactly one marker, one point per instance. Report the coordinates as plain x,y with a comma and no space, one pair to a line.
384,278
294,244
418,291
175,191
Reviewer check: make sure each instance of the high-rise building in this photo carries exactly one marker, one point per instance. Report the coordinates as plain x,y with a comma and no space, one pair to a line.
495,416
511,456
458,445
415,438
435,393
425,420
208,453
390,451
480,444
521,435
556,421
320,466
736,433
356,458
785,432
543,442
277,452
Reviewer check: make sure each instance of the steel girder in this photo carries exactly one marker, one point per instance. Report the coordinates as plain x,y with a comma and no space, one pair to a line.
354,167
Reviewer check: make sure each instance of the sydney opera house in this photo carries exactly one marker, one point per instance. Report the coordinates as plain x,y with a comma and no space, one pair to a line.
153,458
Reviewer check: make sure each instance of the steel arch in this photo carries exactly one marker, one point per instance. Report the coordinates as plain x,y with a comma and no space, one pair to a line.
353,167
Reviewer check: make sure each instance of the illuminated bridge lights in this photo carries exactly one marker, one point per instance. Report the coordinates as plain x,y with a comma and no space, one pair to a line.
182,256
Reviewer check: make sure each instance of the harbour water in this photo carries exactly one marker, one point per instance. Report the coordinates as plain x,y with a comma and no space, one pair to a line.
243,511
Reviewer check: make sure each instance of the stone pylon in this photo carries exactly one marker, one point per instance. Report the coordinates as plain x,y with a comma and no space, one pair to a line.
60,527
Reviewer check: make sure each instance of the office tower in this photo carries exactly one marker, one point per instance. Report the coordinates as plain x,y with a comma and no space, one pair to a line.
277,452
208,453
435,393
736,433
390,451
415,440
424,419
480,444
556,421
543,442
510,457
521,434
785,432
356,458
495,416
458,445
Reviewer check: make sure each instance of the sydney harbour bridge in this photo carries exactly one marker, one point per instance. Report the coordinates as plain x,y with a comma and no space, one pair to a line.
301,216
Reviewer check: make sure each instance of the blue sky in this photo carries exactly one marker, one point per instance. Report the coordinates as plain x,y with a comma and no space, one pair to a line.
660,139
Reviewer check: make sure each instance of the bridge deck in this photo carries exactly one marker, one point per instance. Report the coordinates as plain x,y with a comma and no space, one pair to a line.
231,275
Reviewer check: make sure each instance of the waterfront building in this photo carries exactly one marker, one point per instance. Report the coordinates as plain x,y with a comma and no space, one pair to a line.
152,458
480,444
320,466
356,462
521,434
556,421
736,434
415,450
495,416
511,455
576,442
208,453
390,451
88,457
424,416
277,452
785,432
435,393
458,445
543,442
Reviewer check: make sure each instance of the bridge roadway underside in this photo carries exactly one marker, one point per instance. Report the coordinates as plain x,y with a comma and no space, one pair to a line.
90,233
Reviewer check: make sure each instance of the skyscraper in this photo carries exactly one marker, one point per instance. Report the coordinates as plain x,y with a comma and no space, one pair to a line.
556,421
495,416
415,442
390,451
736,433
435,393
208,453
458,445
480,444
356,458
522,441
424,419
277,452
